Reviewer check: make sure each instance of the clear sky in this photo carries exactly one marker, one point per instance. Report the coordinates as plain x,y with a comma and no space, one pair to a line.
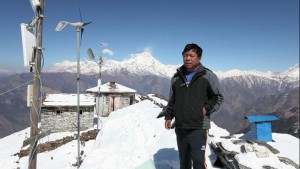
247,35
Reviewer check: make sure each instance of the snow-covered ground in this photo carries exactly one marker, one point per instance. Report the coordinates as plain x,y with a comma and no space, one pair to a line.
131,138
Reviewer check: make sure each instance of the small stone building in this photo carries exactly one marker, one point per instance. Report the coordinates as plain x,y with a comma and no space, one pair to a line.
112,96
59,112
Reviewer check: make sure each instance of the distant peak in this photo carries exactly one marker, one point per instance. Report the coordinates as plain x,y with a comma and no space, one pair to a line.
142,58
144,54
295,67
291,72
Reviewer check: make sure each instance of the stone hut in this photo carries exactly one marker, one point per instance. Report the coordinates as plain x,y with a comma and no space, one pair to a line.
112,96
59,112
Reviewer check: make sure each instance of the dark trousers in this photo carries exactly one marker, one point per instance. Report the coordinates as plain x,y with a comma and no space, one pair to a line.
191,146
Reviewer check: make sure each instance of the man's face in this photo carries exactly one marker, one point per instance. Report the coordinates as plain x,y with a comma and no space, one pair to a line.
191,60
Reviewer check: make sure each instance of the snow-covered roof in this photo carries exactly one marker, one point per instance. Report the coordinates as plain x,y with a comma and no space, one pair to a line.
111,87
67,99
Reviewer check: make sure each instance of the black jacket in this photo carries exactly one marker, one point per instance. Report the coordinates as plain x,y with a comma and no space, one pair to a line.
186,101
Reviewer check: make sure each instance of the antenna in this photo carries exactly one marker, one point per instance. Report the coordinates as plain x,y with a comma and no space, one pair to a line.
101,52
100,61
91,54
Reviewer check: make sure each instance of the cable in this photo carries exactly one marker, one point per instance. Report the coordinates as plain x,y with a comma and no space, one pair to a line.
37,110
16,87
43,60
32,149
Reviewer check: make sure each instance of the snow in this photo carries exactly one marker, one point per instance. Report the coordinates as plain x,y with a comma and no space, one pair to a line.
133,137
288,145
66,99
236,72
105,88
291,74
144,63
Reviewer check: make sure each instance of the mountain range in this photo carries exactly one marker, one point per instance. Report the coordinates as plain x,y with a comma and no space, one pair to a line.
245,92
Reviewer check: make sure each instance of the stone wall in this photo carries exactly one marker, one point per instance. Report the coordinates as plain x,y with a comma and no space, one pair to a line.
126,99
65,119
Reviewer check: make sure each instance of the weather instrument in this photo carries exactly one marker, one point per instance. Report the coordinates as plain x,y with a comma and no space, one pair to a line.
28,44
79,29
62,24
99,83
91,54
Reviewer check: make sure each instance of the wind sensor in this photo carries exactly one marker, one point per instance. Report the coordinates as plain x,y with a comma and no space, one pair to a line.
62,24
79,29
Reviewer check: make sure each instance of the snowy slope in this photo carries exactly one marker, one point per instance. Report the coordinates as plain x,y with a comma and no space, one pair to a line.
129,137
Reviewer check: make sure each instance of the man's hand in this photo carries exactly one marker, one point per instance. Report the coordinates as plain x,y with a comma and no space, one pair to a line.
204,111
168,124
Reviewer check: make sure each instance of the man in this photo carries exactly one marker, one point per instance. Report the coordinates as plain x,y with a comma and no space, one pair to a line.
194,95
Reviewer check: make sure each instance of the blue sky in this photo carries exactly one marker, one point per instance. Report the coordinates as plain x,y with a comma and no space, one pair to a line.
247,35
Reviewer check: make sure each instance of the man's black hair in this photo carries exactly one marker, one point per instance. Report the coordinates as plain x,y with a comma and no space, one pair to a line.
193,47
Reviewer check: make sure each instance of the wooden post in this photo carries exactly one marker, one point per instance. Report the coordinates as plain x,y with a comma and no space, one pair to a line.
36,99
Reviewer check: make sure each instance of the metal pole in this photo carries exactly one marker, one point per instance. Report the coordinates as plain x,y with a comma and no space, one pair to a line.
36,91
98,108
99,83
78,95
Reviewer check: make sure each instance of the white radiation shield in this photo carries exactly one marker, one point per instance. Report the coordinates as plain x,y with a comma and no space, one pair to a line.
28,44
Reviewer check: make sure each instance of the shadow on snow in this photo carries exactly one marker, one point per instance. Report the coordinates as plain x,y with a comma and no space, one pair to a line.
166,158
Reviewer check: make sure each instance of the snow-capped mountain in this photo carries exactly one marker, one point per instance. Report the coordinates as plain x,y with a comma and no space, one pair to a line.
139,64
145,64
290,75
